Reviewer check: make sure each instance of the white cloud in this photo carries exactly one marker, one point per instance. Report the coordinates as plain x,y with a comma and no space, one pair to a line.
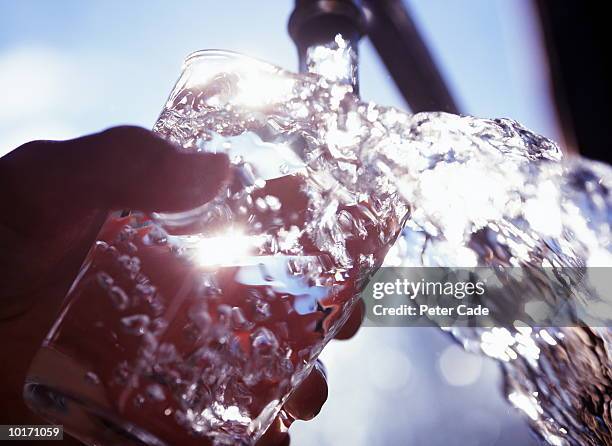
35,90
33,81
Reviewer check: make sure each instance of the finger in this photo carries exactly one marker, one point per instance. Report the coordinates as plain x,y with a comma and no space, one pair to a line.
307,400
351,326
123,167
135,168
276,435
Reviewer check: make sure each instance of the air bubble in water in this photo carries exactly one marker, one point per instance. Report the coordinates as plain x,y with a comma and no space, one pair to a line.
198,313
118,297
264,342
130,264
156,392
167,353
92,378
262,310
136,324
239,321
155,236
273,203
105,280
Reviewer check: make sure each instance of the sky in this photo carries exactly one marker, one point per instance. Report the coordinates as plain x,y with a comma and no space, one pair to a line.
70,67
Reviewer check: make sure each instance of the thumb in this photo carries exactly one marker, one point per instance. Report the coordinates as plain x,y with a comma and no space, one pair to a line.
130,167
120,168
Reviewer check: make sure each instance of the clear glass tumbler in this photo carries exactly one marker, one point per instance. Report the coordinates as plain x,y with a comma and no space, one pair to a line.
193,328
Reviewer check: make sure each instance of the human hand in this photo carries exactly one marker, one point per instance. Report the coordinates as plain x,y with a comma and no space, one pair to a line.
56,196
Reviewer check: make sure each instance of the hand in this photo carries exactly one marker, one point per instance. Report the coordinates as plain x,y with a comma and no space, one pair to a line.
55,197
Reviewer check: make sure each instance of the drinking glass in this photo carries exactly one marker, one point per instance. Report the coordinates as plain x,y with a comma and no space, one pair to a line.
194,327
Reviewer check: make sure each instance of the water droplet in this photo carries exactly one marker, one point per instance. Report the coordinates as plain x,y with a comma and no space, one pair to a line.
126,234
198,313
148,345
273,203
121,373
239,321
139,400
92,378
158,326
130,264
104,280
261,205
118,297
157,305
136,324
155,236
262,310
156,392
264,342
101,245
167,353
145,290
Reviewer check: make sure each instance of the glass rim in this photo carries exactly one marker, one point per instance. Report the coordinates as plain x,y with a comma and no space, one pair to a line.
220,54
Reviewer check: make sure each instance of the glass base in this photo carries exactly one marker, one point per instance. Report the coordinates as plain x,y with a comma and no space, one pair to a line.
84,420
57,390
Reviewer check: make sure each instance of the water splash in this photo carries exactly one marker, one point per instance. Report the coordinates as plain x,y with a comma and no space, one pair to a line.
477,192
491,193
335,61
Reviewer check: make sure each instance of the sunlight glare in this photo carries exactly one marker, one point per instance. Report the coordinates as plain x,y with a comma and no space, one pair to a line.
229,249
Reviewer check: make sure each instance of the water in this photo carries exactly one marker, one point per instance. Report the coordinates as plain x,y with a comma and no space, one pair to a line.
195,327
491,193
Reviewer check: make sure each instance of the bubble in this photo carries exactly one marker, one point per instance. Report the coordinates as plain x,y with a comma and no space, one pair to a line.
104,280
261,204
136,324
101,245
155,236
118,297
156,392
167,353
92,378
284,168
199,315
145,290
264,342
239,321
273,203
138,400
122,373
127,233
158,326
130,264
262,310
157,304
